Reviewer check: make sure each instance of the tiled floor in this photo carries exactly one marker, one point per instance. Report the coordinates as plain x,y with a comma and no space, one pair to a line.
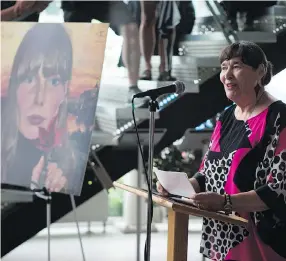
111,246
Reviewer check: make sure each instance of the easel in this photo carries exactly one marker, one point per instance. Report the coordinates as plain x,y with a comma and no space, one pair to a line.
129,141
46,195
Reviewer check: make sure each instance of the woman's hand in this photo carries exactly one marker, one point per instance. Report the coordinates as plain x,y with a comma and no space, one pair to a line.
55,180
209,201
161,190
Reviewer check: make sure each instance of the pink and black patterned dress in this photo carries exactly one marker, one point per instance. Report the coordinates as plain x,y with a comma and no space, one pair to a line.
245,156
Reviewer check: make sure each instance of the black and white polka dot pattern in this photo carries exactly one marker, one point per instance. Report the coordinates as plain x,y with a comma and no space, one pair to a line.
218,237
275,165
216,172
278,185
265,166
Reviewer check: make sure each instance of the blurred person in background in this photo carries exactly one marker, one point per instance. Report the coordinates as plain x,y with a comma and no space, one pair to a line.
147,35
162,22
158,21
252,9
121,22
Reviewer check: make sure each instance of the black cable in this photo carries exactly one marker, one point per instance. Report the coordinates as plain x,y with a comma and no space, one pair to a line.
150,202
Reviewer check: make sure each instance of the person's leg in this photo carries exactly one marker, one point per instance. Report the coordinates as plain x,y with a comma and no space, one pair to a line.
147,34
123,23
131,51
170,49
166,47
162,50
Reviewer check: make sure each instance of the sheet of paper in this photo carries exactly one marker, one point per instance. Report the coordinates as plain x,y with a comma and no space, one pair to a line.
176,183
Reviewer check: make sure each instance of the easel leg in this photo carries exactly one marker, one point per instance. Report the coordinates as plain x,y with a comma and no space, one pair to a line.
88,227
76,221
177,236
48,202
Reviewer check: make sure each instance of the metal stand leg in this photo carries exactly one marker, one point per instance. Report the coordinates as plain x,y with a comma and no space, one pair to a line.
78,231
138,221
153,105
89,232
48,200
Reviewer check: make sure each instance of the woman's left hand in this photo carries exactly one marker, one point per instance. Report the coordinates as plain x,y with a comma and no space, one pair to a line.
209,201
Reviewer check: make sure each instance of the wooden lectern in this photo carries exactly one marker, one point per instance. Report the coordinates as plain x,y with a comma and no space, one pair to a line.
178,221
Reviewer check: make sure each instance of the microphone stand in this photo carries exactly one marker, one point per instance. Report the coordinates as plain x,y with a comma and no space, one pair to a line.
153,106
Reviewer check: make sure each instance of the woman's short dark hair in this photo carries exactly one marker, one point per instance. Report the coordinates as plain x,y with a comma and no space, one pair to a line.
251,54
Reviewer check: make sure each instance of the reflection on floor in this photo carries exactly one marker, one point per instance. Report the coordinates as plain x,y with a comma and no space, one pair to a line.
111,246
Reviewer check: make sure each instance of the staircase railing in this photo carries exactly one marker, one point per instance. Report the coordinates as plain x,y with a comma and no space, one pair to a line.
220,18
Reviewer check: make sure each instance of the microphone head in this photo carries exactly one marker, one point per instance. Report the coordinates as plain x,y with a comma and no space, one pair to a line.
180,87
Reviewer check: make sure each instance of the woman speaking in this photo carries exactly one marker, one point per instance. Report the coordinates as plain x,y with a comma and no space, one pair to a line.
244,169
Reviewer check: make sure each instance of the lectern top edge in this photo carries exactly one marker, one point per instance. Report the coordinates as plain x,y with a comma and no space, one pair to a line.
187,209
183,208
162,201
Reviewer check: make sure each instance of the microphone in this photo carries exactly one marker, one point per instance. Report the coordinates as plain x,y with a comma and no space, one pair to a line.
176,87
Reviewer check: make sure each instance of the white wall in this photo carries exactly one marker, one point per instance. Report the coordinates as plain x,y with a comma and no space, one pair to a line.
277,86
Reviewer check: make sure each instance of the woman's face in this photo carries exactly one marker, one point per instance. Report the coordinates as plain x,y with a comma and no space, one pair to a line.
239,79
39,99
